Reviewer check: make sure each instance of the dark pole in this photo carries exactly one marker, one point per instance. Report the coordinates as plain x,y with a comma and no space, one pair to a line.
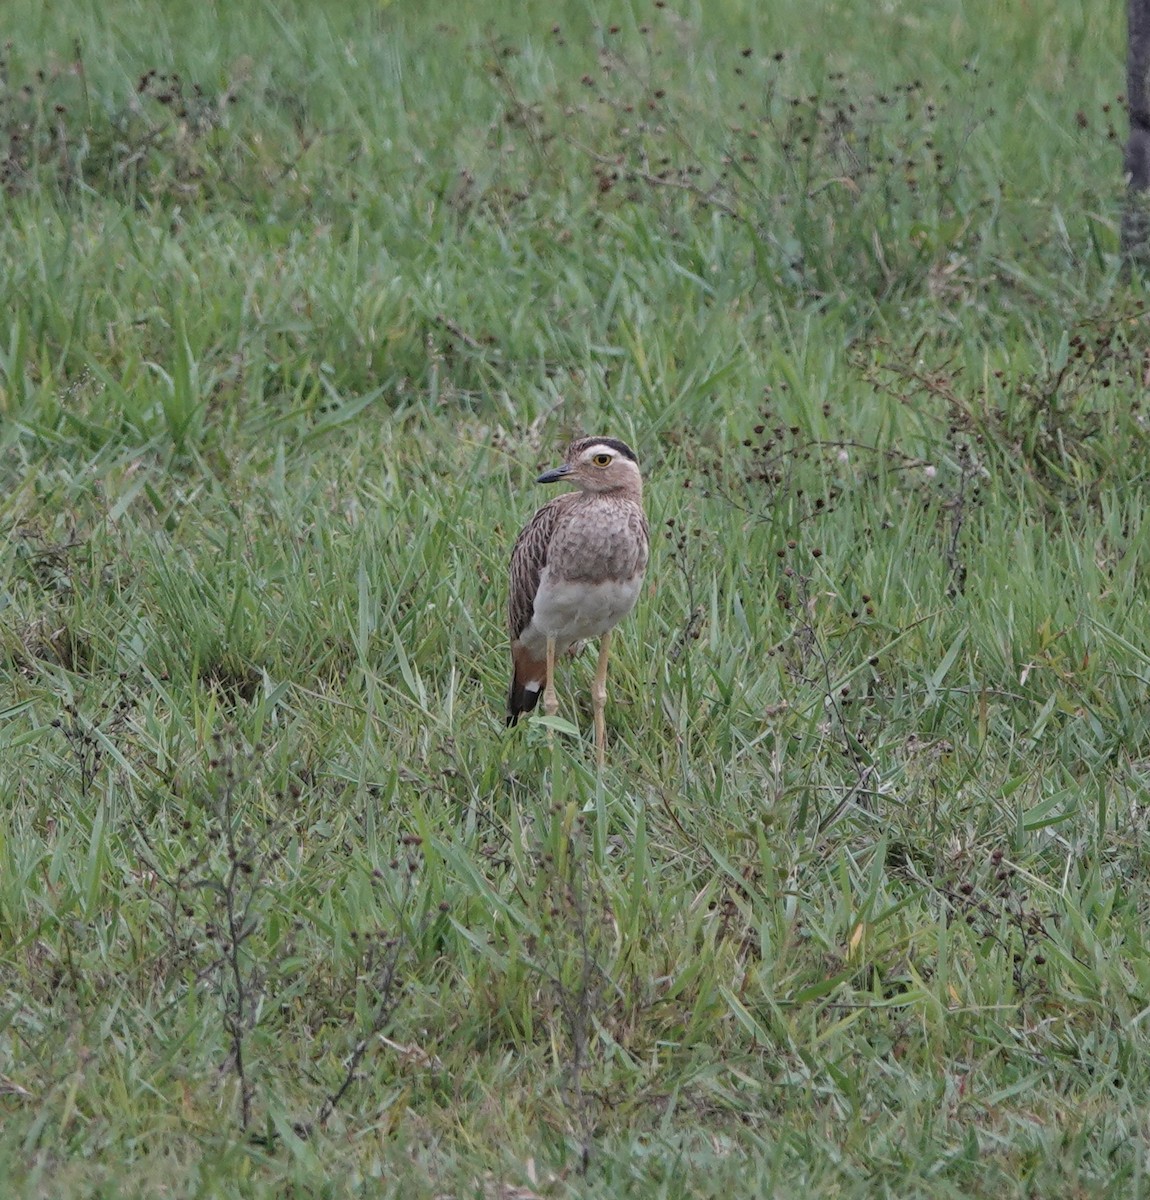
1136,220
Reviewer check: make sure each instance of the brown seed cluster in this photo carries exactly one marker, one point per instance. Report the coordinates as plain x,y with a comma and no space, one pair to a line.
160,142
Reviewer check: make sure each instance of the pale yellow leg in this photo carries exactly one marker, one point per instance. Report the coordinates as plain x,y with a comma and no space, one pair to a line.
599,698
550,699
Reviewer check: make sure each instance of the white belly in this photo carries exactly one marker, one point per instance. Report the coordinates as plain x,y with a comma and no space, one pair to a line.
572,611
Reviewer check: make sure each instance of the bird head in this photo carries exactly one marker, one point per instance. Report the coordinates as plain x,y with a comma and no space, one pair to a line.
598,464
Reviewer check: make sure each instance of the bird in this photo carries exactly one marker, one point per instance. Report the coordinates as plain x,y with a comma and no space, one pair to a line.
576,571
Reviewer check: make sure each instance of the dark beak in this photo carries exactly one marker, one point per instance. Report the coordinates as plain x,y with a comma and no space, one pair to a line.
554,475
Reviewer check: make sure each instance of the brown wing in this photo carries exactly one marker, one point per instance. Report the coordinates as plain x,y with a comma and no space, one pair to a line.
528,560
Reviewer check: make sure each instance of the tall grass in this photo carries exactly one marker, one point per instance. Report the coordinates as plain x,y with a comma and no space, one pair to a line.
294,301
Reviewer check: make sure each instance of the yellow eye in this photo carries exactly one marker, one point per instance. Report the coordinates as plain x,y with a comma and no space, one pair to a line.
602,460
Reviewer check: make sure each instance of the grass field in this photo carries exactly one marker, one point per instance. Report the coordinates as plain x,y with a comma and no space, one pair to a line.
296,300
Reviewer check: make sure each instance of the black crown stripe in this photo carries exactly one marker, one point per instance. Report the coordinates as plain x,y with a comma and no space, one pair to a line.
614,443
